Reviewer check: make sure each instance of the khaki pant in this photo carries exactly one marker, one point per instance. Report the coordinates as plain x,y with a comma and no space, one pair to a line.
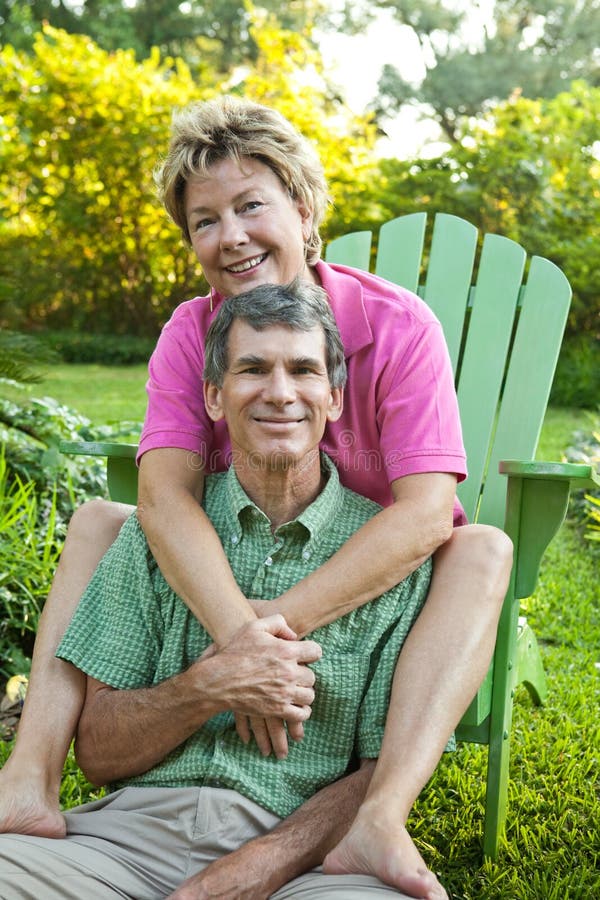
141,843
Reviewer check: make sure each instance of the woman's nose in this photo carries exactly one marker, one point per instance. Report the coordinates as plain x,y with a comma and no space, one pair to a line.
233,233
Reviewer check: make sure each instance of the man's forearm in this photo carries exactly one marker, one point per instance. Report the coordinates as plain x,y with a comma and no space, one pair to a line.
295,846
263,671
124,733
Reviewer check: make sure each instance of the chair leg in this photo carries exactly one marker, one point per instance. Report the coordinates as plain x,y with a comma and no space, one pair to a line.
530,670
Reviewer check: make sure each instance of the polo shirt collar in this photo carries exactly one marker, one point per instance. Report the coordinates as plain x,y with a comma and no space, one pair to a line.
316,518
346,299
345,294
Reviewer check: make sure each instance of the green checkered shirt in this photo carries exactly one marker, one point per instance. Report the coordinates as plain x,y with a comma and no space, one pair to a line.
131,630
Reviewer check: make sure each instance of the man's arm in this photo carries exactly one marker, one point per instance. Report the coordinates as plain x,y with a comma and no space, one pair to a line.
261,672
299,843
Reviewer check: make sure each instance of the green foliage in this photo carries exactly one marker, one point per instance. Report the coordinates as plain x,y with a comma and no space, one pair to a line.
534,48
107,349
529,170
20,356
29,550
586,507
85,243
577,378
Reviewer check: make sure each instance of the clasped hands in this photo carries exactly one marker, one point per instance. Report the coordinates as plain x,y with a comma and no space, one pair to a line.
267,682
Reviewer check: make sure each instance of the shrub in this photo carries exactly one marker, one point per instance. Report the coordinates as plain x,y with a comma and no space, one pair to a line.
29,550
577,379
106,349
586,507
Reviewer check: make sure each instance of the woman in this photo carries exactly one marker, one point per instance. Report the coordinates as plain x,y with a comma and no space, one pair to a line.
249,196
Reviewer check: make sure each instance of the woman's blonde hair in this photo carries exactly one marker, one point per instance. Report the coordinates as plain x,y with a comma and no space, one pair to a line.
233,128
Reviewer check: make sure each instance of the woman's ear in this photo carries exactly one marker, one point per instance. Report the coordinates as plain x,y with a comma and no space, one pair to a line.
306,215
212,401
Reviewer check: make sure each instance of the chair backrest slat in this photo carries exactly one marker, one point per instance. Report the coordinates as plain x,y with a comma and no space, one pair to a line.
543,316
351,250
449,276
484,357
400,248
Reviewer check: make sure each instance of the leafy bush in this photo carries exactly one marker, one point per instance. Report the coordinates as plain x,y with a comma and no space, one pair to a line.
586,507
31,543
106,349
577,379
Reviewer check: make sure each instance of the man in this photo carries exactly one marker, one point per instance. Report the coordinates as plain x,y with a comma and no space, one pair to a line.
194,810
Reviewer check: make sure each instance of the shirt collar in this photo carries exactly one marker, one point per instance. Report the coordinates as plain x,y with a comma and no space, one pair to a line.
345,294
316,518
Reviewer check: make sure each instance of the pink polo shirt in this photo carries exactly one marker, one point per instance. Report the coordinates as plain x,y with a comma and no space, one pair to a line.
400,411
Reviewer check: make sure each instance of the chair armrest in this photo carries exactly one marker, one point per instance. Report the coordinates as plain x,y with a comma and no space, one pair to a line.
98,448
121,469
580,475
536,504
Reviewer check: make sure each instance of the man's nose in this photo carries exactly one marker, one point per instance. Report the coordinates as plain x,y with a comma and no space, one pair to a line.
233,234
280,387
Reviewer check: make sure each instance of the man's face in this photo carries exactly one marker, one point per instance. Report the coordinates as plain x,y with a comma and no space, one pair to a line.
276,397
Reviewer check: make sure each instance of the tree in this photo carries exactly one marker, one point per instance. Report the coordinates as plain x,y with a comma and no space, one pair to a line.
535,47
216,32
530,170
84,243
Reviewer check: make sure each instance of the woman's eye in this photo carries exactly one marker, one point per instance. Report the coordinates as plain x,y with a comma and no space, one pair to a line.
251,205
202,223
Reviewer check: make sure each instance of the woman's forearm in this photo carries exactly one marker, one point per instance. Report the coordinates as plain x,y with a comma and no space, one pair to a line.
378,556
186,546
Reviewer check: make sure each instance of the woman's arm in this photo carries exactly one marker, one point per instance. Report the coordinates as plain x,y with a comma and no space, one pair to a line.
185,544
379,555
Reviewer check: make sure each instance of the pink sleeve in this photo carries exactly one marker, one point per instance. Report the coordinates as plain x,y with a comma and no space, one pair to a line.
417,410
176,416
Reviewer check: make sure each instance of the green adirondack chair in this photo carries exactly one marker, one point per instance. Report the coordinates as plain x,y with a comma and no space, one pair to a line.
504,337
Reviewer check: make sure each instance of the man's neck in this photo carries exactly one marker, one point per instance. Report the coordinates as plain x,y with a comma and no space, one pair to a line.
282,492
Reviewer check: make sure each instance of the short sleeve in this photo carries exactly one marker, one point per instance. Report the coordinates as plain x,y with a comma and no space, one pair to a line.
176,415
417,412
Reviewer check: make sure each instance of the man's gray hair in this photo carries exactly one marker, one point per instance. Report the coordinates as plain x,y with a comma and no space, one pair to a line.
300,306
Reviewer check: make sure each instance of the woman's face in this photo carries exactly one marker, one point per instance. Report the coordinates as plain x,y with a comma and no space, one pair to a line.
245,228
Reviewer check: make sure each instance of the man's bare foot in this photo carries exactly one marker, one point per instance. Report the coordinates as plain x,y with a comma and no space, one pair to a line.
389,854
24,809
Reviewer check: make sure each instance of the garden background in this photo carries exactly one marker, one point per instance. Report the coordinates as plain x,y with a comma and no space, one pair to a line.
90,269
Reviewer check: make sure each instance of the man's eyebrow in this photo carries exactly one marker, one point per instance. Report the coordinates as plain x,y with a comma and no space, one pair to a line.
297,362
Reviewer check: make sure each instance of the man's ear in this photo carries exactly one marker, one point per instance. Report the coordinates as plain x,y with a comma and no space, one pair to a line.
212,401
336,404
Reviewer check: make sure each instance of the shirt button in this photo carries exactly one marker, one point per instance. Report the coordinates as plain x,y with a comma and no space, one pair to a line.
306,554
234,538
268,561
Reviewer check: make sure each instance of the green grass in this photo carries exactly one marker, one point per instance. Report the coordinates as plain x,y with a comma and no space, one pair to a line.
105,394
552,842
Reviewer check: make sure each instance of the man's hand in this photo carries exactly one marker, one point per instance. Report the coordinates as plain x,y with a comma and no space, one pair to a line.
261,672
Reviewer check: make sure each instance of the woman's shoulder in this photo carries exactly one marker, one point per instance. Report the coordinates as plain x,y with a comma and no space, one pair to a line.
349,286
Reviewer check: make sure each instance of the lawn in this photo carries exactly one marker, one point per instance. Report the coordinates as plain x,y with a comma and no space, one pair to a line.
552,844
